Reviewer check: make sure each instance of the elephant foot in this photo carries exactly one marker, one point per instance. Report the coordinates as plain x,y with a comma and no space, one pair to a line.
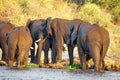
53,61
18,67
46,62
84,68
101,71
71,63
3,63
32,61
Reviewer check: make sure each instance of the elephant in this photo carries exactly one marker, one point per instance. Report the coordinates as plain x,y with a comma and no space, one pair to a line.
72,38
4,28
58,28
19,41
44,43
92,42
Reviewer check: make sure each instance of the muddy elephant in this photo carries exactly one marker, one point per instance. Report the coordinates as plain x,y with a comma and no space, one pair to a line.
4,28
58,29
92,42
41,37
19,41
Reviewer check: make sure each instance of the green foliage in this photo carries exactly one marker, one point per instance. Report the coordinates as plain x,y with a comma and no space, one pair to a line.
112,5
23,3
74,66
32,65
93,14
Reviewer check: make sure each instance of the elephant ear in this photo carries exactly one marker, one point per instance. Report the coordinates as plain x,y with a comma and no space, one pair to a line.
28,24
27,29
74,34
70,31
45,26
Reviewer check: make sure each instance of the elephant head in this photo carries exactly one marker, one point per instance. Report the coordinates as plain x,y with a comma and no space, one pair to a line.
44,29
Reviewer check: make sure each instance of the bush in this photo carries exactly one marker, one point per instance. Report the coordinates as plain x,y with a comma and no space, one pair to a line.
93,14
9,9
113,6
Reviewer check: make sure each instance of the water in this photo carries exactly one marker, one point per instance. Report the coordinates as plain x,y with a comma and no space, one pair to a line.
54,74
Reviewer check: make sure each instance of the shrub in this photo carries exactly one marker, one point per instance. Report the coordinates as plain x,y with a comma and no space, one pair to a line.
93,14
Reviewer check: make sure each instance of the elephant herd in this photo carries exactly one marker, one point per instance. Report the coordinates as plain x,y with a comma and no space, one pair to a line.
91,39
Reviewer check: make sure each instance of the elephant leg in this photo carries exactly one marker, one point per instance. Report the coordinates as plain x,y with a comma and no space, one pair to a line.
70,52
95,51
39,50
20,56
19,60
60,44
46,60
25,61
59,54
102,56
32,53
5,52
102,64
82,57
105,48
36,57
3,56
54,52
11,56
84,63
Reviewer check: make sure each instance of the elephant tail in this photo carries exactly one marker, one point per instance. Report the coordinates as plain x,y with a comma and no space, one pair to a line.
17,46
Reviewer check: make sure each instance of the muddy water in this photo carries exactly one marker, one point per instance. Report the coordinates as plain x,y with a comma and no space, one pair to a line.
54,74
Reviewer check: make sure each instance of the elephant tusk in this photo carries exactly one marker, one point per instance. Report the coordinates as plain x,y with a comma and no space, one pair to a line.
38,40
31,48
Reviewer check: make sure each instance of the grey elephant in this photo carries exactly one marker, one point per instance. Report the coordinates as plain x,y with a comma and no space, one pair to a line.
40,36
19,42
92,42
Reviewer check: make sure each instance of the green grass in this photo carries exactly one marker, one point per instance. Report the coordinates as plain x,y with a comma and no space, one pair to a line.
74,66
31,65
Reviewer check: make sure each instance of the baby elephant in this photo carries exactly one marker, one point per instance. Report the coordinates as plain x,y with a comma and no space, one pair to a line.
92,42
19,42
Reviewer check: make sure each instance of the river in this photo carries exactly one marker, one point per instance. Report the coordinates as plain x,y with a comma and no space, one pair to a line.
54,74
